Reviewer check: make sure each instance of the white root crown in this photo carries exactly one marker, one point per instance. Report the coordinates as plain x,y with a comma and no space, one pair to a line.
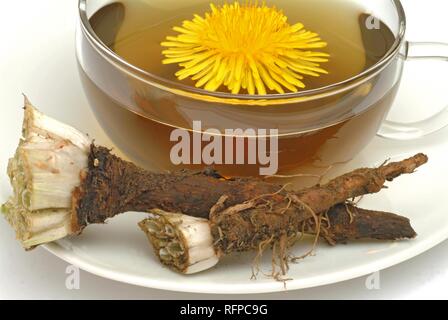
43,173
45,170
181,242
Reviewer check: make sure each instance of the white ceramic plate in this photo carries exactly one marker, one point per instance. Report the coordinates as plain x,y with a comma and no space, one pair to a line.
39,60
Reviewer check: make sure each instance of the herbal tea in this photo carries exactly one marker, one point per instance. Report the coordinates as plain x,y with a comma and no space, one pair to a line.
136,30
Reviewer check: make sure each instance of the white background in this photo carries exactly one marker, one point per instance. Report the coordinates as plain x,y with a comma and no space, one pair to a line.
39,275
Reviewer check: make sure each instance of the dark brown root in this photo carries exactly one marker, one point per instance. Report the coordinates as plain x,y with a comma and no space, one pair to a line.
365,225
112,186
243,226
245,213
339,224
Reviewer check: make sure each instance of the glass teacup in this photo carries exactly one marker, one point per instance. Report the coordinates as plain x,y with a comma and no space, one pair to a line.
315,129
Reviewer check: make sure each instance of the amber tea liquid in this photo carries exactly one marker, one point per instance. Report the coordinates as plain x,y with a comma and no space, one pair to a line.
134,30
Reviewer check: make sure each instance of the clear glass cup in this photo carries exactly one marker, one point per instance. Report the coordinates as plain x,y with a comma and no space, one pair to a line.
316,128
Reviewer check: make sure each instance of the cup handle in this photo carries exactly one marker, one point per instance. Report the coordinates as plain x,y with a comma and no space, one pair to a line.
408,131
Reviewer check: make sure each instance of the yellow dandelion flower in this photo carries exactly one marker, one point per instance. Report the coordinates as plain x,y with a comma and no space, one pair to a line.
247,47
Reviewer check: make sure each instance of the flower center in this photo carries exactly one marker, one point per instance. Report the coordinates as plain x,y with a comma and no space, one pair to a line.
246,47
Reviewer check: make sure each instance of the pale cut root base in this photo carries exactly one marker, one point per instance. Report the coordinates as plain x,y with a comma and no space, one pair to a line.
43,173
